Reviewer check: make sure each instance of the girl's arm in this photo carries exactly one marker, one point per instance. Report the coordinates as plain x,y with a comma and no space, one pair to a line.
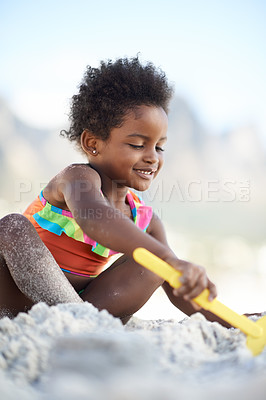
80,188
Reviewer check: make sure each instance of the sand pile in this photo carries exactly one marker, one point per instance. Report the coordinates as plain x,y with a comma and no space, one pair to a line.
72,351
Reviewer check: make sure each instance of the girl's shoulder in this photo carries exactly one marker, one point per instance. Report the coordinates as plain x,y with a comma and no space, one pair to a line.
81,169
77,173
73,177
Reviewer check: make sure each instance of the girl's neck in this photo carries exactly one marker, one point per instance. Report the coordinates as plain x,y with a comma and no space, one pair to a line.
113,191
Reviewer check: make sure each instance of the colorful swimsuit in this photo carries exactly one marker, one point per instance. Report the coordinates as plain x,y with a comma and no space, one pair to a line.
72,249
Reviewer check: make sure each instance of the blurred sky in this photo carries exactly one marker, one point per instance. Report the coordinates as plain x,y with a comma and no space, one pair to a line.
213,50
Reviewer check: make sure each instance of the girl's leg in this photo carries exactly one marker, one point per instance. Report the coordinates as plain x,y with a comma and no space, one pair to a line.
126,286
122,289
12,300
28,271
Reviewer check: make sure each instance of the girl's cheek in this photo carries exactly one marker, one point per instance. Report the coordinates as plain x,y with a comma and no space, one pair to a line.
161,162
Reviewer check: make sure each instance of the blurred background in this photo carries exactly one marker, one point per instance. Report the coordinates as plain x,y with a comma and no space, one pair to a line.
211,194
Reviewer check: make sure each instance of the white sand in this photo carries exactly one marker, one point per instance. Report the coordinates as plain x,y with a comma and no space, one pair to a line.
72,351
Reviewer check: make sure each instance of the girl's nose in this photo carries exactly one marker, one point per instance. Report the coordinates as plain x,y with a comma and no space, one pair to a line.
150,156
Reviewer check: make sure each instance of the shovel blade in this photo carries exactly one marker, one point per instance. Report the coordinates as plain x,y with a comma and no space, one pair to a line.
256,345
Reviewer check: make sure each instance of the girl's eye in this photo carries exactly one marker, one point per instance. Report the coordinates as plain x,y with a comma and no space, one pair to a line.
135,146
138,147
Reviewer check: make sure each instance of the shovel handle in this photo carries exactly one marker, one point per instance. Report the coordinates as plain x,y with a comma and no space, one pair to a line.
171,275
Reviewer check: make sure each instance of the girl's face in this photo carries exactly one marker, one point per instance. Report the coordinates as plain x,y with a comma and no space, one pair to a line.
133,154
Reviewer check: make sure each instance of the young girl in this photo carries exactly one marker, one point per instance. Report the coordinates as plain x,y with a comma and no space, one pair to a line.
57,251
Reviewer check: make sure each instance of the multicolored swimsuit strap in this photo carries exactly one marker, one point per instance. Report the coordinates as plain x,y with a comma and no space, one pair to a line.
59,221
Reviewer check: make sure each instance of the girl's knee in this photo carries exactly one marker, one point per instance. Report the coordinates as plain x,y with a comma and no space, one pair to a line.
12,225
11,221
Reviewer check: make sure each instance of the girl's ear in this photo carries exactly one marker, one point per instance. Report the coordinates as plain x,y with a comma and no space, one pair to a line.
89,143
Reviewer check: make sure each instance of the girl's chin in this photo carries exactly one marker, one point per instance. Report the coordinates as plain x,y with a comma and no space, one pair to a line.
141,187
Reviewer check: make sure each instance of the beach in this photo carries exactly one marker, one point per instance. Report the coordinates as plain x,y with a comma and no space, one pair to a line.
73,351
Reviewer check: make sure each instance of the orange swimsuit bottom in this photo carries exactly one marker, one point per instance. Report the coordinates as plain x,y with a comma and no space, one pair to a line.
71,248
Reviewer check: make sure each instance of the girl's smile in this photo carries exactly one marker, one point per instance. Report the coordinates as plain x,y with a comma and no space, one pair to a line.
147,173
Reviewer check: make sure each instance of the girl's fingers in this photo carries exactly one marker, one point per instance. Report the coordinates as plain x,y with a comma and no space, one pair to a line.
188,270
201,284
212,289
192,278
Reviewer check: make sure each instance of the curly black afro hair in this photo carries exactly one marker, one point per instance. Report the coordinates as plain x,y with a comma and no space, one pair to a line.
106,94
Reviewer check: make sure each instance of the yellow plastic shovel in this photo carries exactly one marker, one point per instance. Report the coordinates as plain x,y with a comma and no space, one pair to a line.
255,331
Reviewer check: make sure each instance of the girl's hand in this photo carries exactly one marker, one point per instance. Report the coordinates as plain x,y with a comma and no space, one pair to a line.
194,280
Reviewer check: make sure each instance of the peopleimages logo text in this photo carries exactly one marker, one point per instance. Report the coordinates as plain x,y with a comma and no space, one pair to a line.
215,190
